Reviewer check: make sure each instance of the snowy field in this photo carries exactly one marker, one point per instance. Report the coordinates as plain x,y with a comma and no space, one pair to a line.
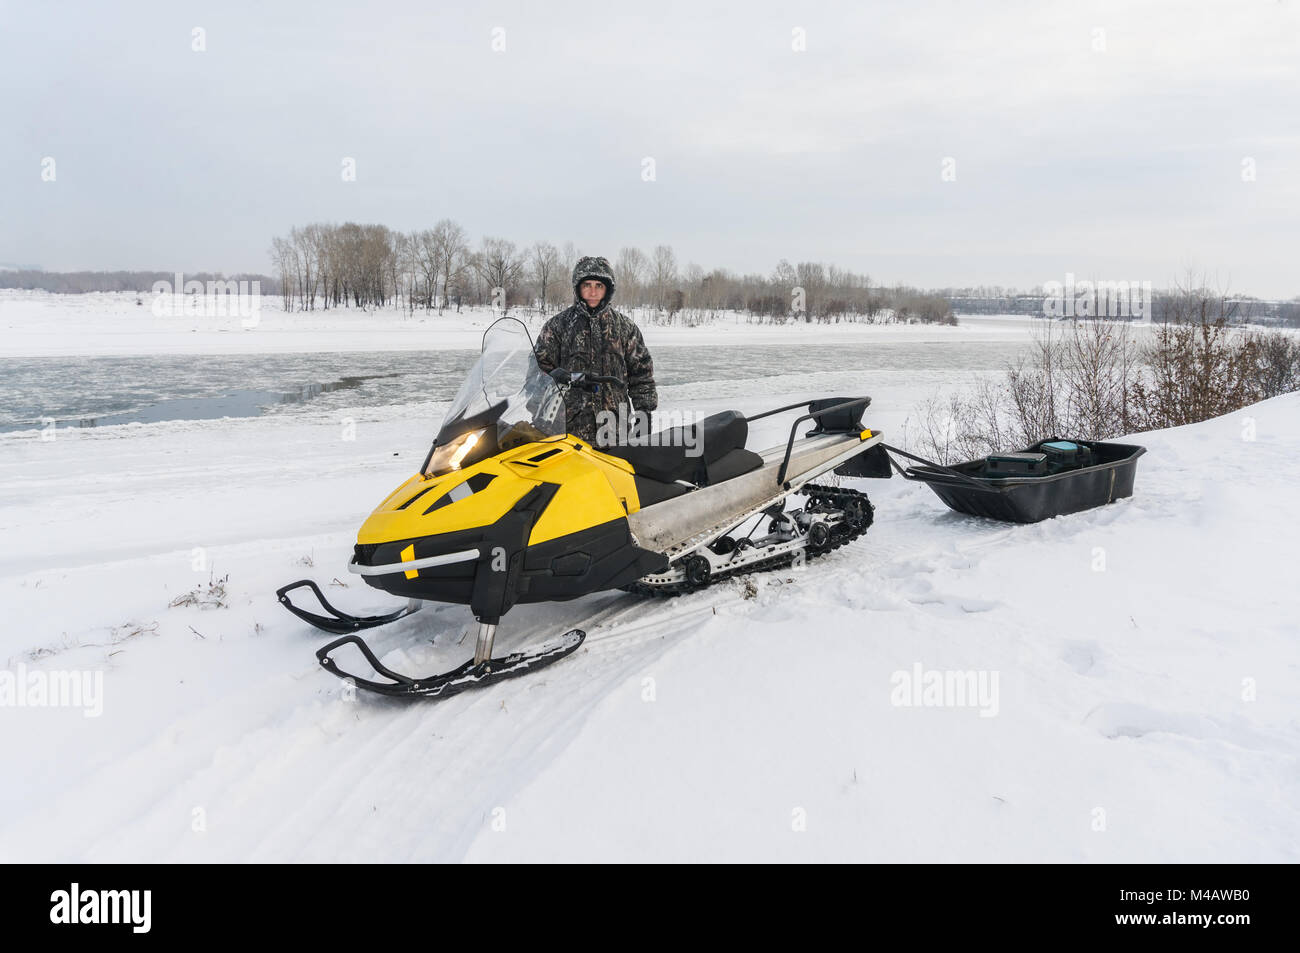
38,324
1145,656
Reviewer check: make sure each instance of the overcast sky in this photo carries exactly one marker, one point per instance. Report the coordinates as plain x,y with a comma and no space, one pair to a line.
1116,154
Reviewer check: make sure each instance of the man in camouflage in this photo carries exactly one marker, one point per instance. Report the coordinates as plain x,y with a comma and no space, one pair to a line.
591,336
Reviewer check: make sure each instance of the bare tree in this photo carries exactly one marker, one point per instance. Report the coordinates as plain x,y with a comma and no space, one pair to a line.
630,269
663,276
285,261
397,267
428,266
811,277
450,249
501,267
544,262
308,244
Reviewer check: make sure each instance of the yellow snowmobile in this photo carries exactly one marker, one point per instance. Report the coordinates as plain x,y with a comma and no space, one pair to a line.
508,508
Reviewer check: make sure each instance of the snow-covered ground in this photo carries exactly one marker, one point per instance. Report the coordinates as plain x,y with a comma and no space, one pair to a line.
38,324
1145,654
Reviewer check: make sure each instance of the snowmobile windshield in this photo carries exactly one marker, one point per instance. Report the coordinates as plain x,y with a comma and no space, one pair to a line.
506,401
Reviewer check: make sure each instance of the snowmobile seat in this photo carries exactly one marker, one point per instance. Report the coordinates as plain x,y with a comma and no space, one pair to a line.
708,452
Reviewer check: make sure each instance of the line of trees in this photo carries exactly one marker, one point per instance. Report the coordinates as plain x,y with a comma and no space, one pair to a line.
365,266
323,266
139,282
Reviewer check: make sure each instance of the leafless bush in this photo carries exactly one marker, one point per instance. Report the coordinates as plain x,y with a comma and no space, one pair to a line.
1077,381
1092,381
1198,371
964,425
1277,357
927,309
1193,372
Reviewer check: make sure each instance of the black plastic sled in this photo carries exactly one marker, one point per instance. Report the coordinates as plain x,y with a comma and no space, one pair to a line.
1051,478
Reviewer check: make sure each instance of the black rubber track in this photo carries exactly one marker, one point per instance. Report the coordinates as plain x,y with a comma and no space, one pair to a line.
821,499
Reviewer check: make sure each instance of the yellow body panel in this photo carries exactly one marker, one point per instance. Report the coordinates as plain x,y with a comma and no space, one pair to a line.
594,488
388,523
586,495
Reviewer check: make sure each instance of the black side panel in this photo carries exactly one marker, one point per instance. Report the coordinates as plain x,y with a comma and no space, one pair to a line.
496,590
872,463
602,557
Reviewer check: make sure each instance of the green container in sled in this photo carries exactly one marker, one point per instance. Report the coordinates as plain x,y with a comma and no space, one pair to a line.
1066,455
1016,464
1075,475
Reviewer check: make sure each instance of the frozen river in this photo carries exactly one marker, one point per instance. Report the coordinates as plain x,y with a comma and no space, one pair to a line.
101,391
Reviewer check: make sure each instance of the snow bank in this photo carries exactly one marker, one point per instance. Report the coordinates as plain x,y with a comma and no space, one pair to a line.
1146,660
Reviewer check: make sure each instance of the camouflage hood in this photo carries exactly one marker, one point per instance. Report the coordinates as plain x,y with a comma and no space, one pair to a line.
589,267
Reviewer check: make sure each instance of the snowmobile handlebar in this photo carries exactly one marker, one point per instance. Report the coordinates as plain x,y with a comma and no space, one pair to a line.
582,380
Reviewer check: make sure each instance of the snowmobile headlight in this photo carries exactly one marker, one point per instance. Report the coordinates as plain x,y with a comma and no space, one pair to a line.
451,456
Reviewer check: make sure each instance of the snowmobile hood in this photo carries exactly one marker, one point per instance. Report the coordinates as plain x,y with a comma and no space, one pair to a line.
592,489
598,268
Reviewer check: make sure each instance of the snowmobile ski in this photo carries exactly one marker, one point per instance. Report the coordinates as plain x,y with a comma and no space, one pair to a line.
338,623
470,675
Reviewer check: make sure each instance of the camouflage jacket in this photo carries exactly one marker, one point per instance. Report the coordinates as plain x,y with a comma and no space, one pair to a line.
606,343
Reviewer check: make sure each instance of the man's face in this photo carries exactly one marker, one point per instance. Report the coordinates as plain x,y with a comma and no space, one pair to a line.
592,291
